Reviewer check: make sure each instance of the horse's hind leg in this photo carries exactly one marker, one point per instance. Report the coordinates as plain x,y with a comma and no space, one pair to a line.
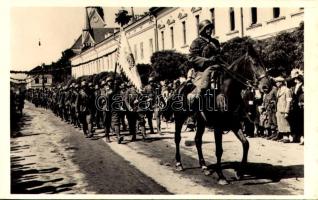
179,120
218,152
198,144
239,134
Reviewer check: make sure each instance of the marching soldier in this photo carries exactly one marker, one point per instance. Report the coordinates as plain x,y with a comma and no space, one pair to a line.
105,88
83,109
115,100
134,112
98,112
67,108
155,100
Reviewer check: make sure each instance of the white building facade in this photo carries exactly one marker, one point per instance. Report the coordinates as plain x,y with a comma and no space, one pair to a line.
175,29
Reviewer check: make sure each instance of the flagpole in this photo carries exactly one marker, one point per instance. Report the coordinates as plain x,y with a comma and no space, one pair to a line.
116,63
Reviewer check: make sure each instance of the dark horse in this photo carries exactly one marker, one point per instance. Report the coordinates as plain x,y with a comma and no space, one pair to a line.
243,72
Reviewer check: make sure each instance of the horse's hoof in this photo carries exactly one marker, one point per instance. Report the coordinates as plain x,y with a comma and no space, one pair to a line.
206,171
223,181
238,175
179,167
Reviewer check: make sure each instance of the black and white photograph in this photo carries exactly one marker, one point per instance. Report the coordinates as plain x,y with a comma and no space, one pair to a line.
157,100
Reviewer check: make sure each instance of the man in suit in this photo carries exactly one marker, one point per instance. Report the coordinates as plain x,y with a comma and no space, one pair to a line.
284,99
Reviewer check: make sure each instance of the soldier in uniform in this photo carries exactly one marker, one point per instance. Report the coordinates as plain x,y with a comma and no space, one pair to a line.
67,108
149,93
116,102
204,57
134,112
83,109
98,112
105,88
61,102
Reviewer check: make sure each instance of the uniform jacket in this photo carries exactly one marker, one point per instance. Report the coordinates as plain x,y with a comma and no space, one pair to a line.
202,50
82,102
284,98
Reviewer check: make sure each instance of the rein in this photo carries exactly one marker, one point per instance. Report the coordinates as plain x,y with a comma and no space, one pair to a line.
243,80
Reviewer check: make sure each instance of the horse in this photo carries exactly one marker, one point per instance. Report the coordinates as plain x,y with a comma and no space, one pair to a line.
244,71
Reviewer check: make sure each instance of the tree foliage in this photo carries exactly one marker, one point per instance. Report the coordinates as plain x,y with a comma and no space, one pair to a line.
122,18
166,64
235,48
144,71
285,51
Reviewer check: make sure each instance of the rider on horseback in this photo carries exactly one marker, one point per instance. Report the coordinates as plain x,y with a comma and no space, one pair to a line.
204,57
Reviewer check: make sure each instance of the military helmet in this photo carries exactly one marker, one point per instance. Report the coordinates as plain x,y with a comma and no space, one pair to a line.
110,78
204,24
83,83
151,79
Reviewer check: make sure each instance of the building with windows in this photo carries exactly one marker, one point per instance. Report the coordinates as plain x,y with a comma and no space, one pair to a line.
174,28
40,81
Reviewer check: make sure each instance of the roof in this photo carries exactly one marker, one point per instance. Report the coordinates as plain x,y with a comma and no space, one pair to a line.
78,43
99,33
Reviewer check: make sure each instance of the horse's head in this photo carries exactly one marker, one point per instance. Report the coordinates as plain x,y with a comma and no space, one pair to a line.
251,69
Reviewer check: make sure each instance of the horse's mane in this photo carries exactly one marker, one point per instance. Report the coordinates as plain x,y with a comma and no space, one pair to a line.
244,64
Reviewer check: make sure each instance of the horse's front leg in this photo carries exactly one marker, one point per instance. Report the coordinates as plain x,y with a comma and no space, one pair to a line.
198,144
218,152
240,171
177,138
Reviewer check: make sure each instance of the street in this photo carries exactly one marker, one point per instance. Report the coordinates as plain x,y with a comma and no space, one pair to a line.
51,156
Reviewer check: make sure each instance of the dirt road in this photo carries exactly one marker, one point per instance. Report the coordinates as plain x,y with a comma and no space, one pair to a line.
51,156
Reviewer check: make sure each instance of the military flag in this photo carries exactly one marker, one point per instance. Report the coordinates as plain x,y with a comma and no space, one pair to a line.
126,61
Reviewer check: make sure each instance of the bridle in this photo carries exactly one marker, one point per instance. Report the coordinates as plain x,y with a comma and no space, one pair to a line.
238,77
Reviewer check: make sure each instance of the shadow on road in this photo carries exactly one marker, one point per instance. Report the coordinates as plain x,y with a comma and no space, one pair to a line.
26,177
256,171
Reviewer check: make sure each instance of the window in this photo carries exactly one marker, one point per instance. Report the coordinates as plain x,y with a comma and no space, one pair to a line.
254,15
197,21
213,19
151,45
44,80
172,37
36,81
232,19
163,40
135,51
184,33
141,50
276,12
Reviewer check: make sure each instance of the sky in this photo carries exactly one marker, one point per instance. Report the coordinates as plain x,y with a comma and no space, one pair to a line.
55,27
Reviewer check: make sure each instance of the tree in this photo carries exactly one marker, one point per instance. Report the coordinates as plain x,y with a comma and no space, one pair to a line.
168,64
285,51
122,17
235,48
144,71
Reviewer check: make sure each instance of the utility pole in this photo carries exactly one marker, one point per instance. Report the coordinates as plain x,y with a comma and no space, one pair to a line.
43,76
242,22
133,14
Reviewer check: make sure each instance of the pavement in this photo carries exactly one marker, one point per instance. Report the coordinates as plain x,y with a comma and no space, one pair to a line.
50,156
